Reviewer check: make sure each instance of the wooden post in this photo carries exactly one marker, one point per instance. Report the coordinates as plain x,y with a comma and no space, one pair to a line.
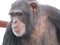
3,23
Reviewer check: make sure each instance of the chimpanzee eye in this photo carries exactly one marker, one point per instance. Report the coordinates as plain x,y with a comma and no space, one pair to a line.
11,14
19,14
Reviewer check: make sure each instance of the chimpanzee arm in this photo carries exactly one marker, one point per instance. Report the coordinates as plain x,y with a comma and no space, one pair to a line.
55,19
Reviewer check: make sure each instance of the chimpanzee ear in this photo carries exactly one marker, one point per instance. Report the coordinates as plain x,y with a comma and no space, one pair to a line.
33,7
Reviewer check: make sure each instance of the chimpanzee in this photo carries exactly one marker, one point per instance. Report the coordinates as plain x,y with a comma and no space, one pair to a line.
32,24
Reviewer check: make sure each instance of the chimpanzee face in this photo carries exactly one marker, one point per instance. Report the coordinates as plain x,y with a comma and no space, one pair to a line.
18,25
20,14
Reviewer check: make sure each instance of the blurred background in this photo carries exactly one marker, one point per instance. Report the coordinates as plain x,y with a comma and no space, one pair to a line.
5,6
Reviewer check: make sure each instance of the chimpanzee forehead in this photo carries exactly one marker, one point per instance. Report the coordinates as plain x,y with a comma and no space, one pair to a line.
20,5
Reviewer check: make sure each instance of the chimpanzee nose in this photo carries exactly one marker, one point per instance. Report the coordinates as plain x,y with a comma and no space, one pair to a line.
15,21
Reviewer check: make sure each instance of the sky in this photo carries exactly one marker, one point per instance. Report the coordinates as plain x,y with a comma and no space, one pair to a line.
5,6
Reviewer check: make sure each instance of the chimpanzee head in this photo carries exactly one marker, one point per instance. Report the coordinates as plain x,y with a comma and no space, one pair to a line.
22,15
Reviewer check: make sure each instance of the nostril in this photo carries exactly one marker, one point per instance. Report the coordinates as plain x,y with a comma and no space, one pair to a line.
15,21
